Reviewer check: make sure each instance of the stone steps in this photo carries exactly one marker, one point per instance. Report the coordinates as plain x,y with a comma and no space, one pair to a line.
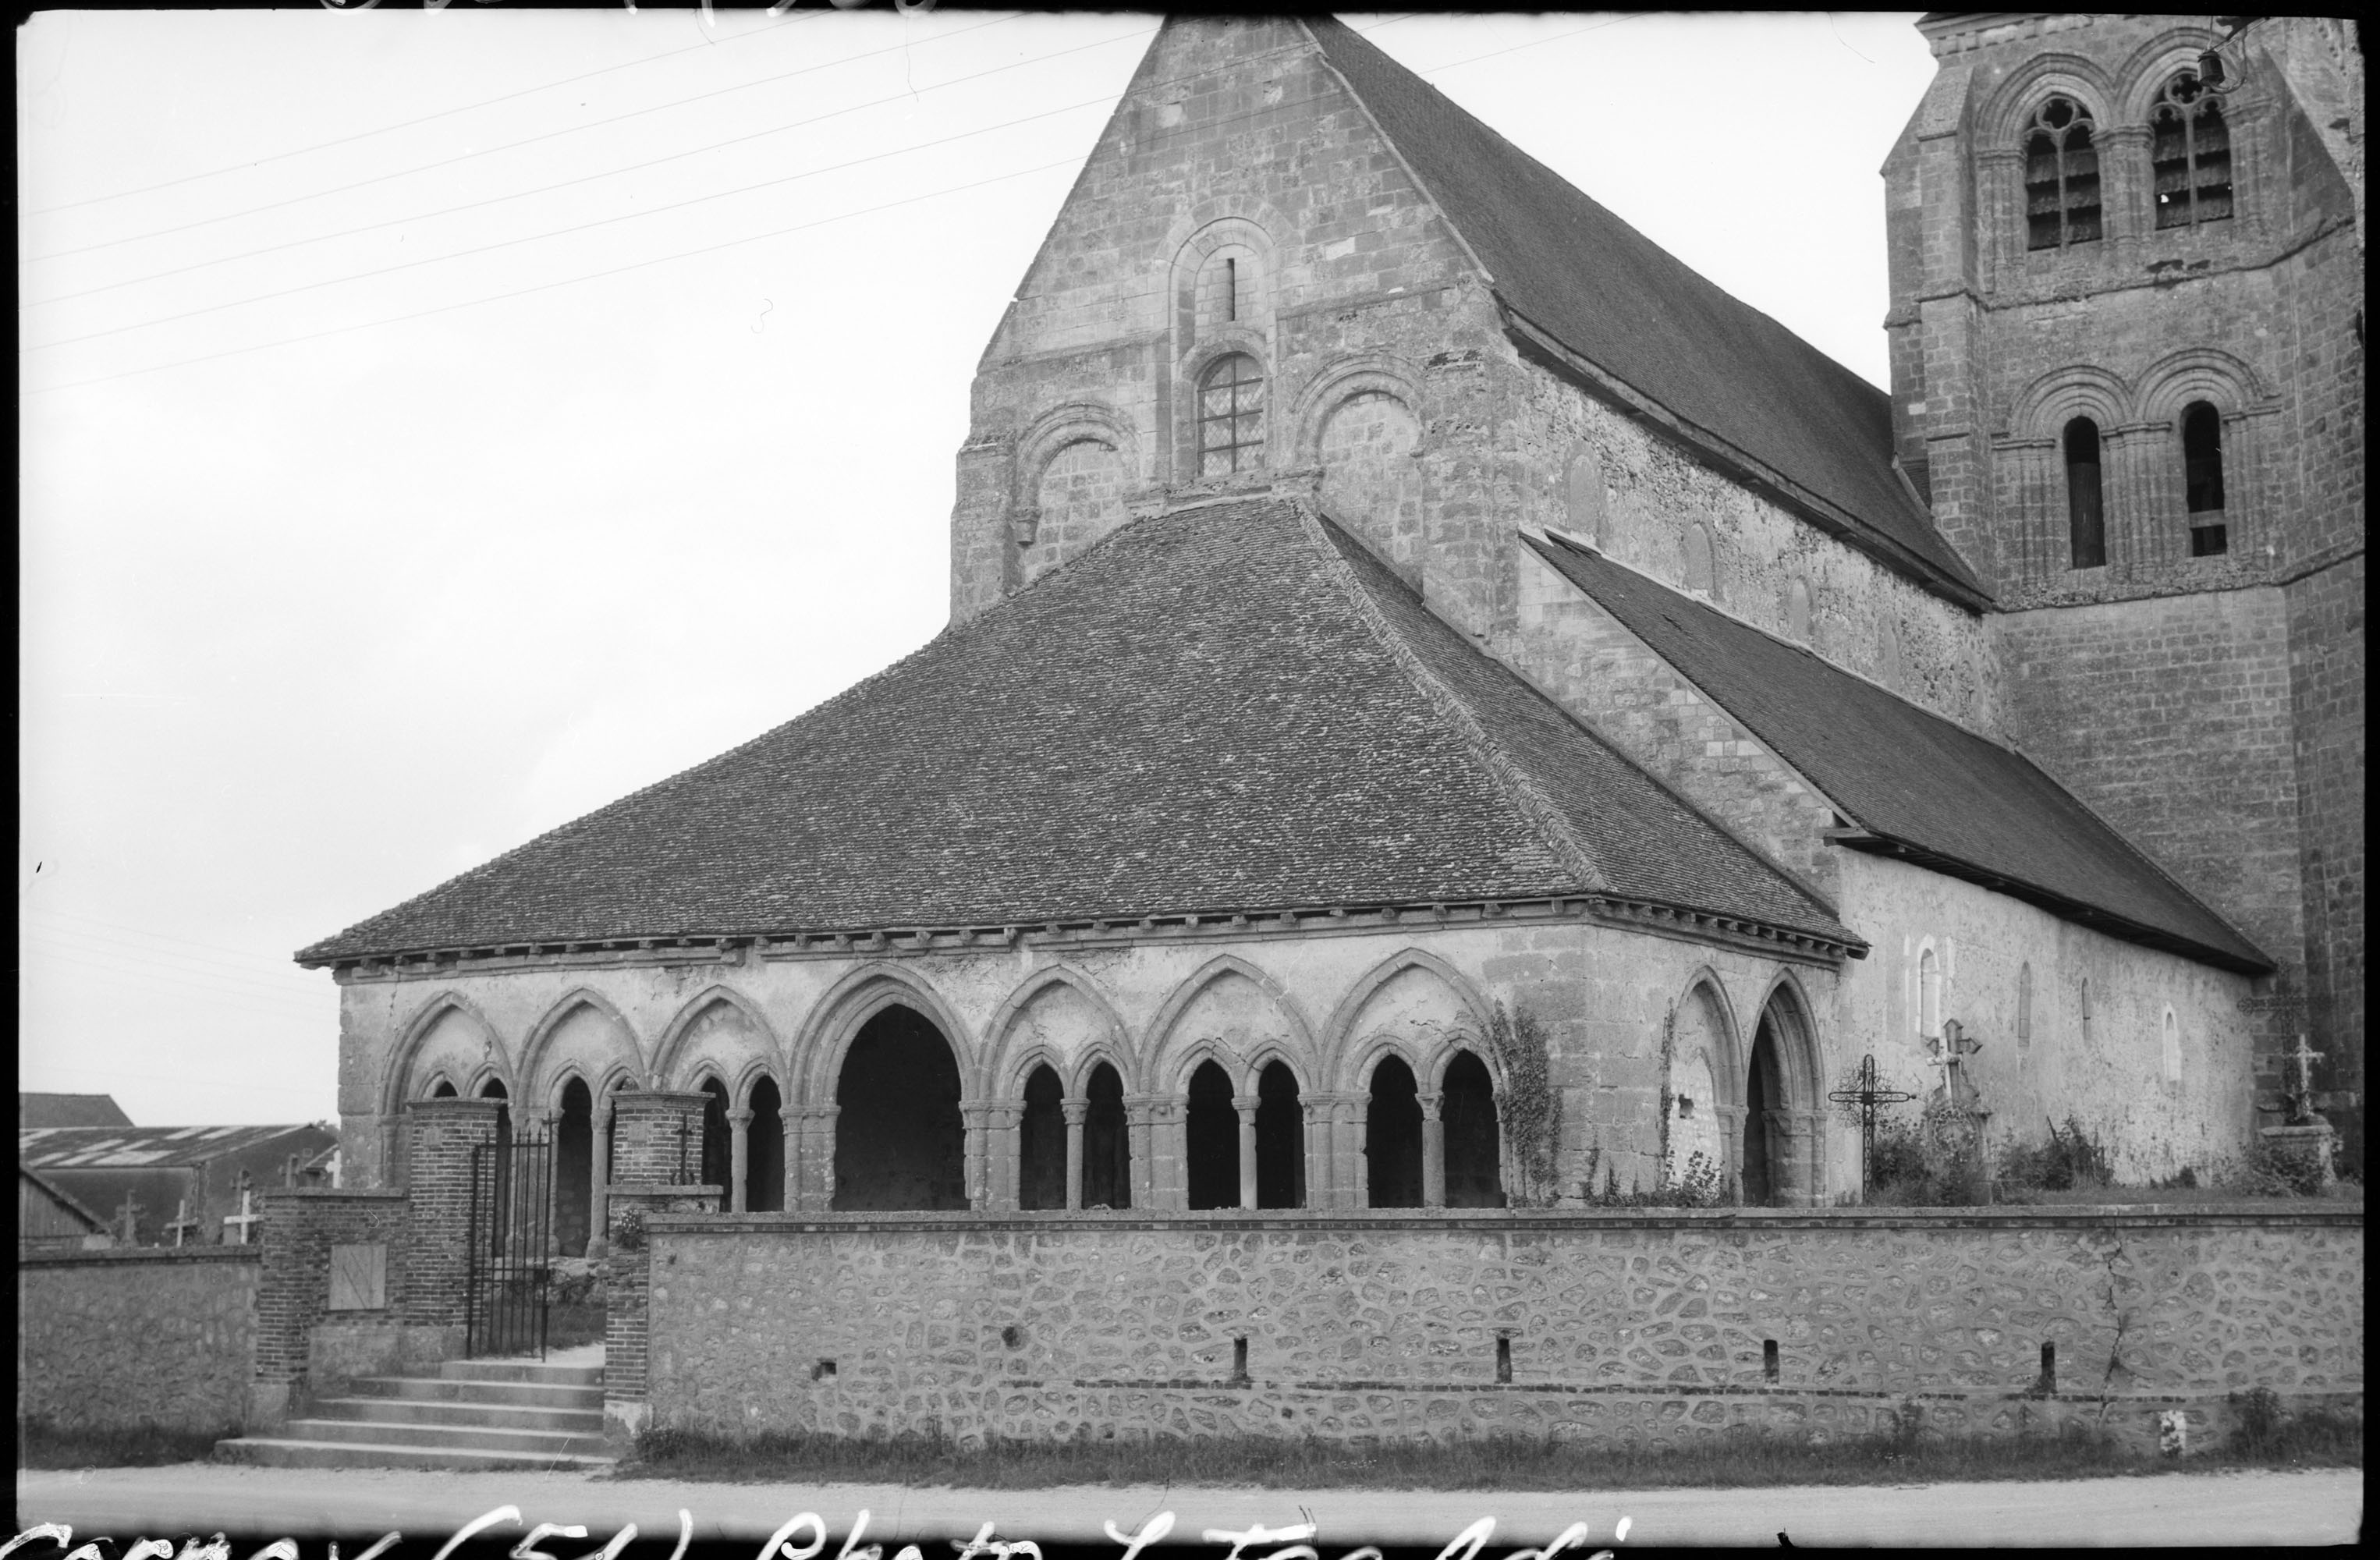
472,1413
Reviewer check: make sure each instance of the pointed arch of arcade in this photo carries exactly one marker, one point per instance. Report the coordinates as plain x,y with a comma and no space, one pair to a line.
836,1019
397,1084
536,1059
818,1052
1350,1059
1005,1070
670,1060
1173,1058
1789,1129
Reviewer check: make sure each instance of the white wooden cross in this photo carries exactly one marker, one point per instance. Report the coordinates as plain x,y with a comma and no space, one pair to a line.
2306,1057
182,1224
243,1218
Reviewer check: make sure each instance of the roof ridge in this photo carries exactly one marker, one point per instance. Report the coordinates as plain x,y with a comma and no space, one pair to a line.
1519,787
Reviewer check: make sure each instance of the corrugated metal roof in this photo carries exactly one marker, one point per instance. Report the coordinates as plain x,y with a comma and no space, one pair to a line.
105,1148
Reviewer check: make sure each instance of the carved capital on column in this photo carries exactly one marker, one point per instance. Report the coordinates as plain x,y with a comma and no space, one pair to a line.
1076,1111
1430,1100
739,1118
1246,1106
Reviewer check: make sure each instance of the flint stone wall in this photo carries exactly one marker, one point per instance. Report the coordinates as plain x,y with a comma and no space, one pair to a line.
1620,1327
115,1339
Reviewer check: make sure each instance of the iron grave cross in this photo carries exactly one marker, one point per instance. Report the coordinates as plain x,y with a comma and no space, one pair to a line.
1868,1093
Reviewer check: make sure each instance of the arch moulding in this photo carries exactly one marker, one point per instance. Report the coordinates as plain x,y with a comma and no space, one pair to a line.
837,1017
417,1029
668,1057
1171,1061
535,1053
1347,1060
1004,1076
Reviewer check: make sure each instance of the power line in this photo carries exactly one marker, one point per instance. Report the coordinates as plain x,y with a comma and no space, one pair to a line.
549,188
185,985
689,254
406,125
553,232
297,988
158,937
532,141
566,282
295,985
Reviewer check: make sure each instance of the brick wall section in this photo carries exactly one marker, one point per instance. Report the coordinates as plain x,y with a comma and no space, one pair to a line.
300,1227
438,1164
1620,1327
114,1339
628,1284
659,1135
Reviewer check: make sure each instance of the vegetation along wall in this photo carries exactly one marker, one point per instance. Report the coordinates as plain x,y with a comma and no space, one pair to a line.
1599,1326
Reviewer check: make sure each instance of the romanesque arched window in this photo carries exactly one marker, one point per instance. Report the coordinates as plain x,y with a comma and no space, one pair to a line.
2086,524
2202,465
1230,415
1797,609
2189,154
2024,1006
2170,1047
2061,176
1929,994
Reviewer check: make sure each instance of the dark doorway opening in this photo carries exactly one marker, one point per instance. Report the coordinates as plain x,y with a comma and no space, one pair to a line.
764,1150
1281,1139
1213,1130
1393,1138
574,1170
1474,1158
900,1143
717,1165
1762,1093
1107,1143
1041,1143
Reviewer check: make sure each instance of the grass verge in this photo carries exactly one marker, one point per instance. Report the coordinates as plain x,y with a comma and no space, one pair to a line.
1733,1462
48,1446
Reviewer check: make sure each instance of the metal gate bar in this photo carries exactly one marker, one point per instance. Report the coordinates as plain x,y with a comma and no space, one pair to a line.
509,1276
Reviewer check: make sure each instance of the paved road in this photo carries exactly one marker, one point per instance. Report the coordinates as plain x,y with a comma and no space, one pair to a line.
2320,1507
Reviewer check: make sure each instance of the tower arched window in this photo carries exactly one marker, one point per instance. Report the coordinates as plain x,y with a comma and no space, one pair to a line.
2087,523
2202,467
2061,176
1230,415
2190,152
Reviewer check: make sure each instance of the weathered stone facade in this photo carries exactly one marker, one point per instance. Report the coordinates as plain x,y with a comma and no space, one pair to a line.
2209,702
1636,1328
122,1339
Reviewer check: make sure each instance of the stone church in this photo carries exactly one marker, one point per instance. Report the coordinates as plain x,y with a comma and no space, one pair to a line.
1443,706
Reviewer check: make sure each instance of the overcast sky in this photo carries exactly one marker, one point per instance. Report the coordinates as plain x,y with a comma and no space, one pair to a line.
437,425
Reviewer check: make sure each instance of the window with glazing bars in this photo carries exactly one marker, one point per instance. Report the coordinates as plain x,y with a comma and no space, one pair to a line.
2191,154
2061,176
1231,416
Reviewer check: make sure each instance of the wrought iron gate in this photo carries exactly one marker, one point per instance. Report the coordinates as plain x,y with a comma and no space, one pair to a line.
511,1230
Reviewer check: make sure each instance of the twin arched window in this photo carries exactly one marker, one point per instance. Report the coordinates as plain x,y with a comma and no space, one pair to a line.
2202,467
2189,163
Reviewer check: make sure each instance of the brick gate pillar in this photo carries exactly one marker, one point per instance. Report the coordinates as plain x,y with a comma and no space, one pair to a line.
656,1132
441,1134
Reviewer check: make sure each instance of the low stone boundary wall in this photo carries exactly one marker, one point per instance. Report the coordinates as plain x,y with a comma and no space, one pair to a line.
1603,1327
115,1339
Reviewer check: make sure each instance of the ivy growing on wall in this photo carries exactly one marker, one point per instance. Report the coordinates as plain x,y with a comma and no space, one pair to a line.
1531,1108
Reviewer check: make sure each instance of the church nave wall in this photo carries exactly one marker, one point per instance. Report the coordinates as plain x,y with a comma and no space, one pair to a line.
2071,1022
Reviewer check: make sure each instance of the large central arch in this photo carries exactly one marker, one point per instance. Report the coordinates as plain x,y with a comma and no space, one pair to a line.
1780,1160
900,1141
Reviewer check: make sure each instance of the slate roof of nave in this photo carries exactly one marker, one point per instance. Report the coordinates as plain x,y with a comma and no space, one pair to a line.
1951,799
1612,295
1223,709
